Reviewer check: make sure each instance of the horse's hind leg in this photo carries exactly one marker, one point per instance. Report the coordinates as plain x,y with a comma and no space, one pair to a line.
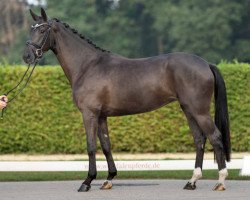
208,127
105,144
199,140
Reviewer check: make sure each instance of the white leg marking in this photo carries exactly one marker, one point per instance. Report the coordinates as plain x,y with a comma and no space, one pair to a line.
197,174
222,176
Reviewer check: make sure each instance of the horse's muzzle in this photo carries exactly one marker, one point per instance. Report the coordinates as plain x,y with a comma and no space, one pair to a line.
29,56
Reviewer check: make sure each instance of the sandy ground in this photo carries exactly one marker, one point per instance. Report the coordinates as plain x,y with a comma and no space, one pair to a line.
117,156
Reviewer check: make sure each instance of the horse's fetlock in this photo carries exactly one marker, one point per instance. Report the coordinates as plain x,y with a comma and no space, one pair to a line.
197,174
111,175
92,176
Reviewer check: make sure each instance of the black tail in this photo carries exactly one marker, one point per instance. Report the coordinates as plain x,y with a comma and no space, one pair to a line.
221,112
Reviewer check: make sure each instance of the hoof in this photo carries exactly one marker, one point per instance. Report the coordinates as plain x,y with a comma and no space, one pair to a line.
106,185
84,188
219,187
190,186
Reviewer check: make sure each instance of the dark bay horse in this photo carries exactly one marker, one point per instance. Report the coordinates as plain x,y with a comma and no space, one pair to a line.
106,84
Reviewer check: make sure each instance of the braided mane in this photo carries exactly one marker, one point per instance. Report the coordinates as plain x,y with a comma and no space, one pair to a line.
81,36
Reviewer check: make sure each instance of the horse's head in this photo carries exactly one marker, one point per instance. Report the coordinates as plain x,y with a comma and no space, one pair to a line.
40,37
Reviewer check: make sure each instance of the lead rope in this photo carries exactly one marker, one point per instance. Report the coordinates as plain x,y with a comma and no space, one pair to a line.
22,88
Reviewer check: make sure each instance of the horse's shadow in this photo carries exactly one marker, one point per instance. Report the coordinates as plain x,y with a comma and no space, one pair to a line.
131,184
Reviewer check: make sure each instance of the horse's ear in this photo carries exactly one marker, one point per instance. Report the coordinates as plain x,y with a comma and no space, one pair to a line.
34,16
44,15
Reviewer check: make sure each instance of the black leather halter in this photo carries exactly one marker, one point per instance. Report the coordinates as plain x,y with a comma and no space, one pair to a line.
39,48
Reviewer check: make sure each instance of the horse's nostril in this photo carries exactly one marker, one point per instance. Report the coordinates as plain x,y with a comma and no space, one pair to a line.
27,57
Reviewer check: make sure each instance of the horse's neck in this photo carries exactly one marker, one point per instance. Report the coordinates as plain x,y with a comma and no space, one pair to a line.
73,53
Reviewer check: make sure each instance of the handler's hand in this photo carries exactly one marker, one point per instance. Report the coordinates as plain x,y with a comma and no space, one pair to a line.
3,101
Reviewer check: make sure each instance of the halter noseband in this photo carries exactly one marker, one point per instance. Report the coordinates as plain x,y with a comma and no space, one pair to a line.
39,48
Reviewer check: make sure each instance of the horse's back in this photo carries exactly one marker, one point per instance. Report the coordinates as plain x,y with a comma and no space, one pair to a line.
169,73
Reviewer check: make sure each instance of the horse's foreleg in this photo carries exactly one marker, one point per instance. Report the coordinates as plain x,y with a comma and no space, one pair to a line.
91,126
105,144
199,140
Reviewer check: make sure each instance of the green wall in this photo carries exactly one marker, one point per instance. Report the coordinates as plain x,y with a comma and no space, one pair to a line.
44,119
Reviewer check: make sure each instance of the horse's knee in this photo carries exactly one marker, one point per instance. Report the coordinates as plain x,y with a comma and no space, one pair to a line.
91,152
